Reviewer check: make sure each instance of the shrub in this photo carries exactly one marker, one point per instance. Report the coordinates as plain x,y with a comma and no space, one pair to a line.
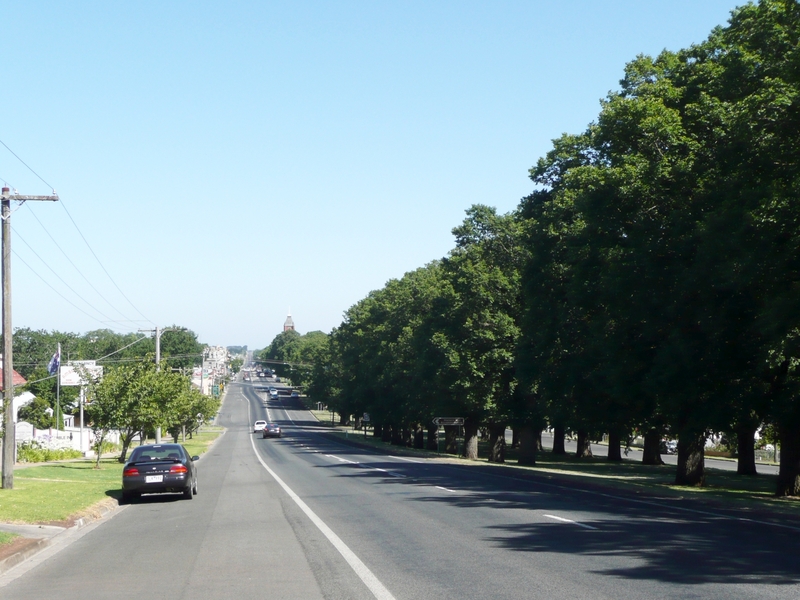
36,451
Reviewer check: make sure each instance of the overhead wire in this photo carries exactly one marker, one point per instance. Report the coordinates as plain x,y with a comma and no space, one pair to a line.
125,317
54,289
16,233
63,205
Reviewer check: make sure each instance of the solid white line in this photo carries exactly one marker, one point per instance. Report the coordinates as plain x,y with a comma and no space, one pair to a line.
563,520
352,462
368,577
445,489
406,459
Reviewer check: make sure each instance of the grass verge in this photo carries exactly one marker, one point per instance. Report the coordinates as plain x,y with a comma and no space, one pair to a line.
7,538
721,486
60,492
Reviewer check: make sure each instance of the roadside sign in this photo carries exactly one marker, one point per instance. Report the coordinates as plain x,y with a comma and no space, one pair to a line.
71,373
366,417
442,421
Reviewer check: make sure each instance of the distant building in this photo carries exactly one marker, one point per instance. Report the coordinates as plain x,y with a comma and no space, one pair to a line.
288,324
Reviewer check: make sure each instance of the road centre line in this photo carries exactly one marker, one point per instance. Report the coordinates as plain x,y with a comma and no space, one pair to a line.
419,462
563,520
352,462
368,577
636,501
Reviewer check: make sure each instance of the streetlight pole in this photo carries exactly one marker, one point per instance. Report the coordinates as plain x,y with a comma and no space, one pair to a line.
158,331
9,437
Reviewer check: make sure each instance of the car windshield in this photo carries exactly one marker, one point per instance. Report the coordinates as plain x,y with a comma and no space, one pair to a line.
166,452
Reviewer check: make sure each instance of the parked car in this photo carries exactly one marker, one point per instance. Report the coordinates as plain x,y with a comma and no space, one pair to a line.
159,468
271,430
259,426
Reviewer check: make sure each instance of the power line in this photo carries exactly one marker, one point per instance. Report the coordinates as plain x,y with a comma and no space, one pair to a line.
61,279
79,232
102,267
54,289
76,267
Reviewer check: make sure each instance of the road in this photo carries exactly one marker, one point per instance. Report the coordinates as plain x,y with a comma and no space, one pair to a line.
306,517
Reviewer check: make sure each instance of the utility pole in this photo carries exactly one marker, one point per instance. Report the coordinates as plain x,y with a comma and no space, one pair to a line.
158,331
10,437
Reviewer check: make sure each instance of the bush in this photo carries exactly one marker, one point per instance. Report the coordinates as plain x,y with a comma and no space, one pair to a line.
35,451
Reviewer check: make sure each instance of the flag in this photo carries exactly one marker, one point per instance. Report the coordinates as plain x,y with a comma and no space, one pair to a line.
52,366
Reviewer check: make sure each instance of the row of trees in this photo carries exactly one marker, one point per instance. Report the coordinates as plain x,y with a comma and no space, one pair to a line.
136,398
33,350
291,355
649,283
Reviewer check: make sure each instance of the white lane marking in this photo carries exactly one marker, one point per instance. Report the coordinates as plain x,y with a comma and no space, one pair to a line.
368,577
563,520
419,462
438,487
352,462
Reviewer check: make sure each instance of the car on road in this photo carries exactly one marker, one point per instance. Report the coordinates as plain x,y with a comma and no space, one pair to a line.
259,426
273,393
157,469
271,430
295,394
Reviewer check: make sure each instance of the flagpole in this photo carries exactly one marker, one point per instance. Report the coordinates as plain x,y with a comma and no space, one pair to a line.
58,388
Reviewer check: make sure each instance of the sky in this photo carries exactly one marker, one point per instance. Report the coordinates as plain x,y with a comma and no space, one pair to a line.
221,164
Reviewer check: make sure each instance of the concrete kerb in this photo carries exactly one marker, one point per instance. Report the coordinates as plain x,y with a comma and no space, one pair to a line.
96,513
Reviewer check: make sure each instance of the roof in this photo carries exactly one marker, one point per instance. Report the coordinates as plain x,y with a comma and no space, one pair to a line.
18,379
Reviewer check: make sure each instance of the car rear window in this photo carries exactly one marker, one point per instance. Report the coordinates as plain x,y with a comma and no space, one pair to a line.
156,453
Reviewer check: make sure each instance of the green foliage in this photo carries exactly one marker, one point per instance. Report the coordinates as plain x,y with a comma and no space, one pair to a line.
35,412
36,452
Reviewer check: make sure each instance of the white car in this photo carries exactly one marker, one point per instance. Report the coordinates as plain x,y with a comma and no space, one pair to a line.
259,426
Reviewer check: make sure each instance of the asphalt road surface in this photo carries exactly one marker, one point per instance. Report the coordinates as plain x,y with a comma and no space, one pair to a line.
306,517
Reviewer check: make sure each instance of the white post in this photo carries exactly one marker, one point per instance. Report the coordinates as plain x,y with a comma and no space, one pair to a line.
81,404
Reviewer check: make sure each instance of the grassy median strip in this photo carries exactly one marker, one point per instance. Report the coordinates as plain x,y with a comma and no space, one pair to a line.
721,485
60,492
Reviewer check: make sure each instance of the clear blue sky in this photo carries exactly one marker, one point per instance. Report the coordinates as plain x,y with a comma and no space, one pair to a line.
229,161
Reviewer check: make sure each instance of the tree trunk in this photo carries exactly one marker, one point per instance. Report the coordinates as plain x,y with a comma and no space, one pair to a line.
377,430
614,443
419,437
432,443
584,445
408,436
386,435
358,423
451,439
470,439
652,448
497,443
100,448
126,443
515,437
397,436
789,470
527,446
558,440
539,447
691,453
344,420
746,460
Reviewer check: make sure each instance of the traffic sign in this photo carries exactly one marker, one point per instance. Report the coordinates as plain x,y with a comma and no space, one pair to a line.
366,417
440,421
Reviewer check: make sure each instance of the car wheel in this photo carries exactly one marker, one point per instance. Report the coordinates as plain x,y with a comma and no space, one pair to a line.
187,493
194,488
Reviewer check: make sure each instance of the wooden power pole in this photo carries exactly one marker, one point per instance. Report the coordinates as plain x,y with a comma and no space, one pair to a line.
9,429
